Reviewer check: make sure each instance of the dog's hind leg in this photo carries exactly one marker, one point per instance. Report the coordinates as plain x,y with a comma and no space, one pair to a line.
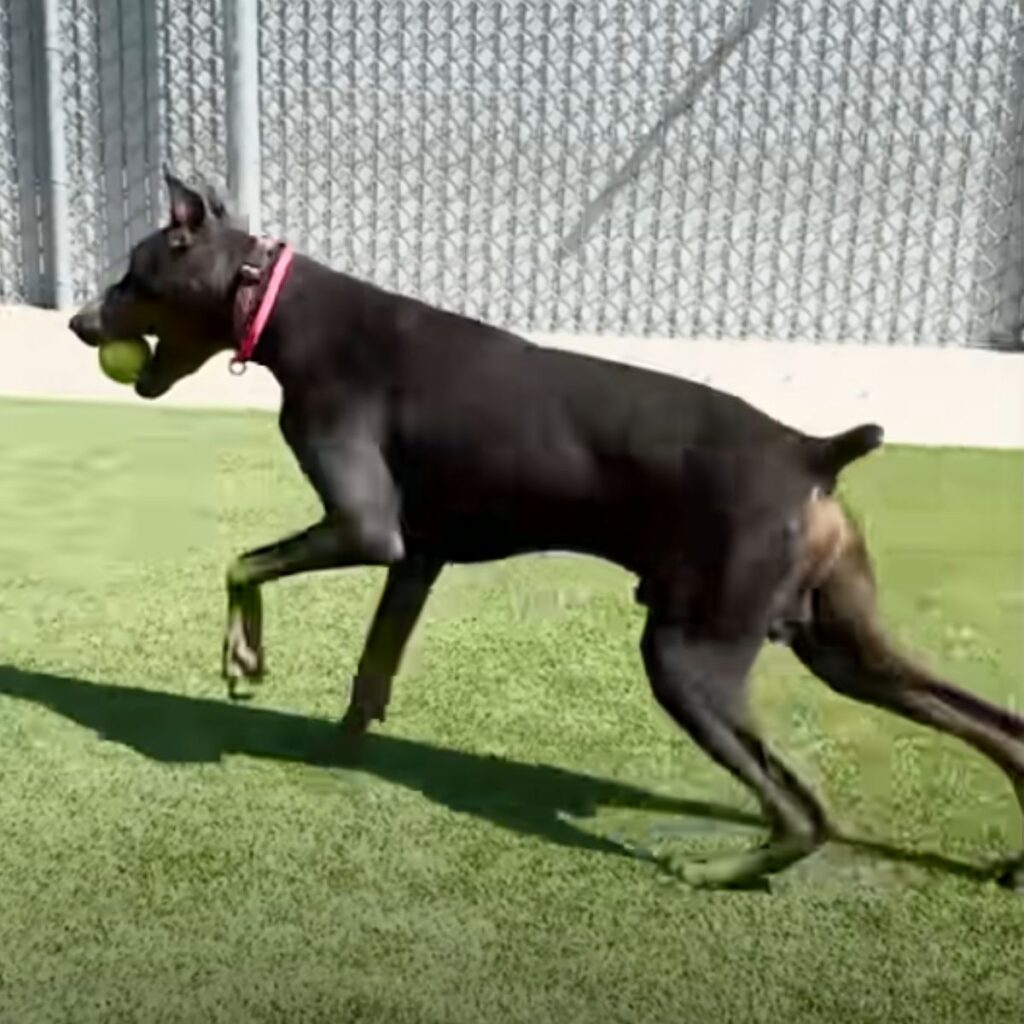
844,644
702,684
405,592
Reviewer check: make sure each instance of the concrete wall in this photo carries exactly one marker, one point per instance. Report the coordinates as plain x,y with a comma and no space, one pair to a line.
928,396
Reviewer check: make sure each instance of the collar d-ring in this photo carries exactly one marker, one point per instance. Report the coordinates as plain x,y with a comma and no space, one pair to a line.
236,367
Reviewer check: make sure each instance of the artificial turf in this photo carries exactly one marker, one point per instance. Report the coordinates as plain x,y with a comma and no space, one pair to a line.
168,856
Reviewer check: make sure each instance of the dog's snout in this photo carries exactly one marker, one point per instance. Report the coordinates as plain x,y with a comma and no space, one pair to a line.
86,324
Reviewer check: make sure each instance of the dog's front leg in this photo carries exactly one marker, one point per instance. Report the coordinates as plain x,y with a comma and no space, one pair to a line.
334,543
361,526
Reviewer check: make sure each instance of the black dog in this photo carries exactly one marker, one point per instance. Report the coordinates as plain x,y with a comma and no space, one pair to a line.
433,438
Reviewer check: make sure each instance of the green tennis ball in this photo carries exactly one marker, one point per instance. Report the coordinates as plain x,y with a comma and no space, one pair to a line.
124,359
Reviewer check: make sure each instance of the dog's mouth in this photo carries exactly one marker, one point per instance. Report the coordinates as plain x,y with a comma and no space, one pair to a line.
149,384
172,357
171,361
156,378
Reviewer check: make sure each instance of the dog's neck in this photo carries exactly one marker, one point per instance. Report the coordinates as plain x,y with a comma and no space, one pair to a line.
260,278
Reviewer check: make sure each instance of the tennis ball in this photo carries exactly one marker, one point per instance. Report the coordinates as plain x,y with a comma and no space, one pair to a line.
124,359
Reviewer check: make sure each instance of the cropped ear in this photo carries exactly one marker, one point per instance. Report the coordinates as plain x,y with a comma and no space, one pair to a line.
218,209
215,204
188,208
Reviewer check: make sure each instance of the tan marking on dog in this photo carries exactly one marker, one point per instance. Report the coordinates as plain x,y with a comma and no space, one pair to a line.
826,533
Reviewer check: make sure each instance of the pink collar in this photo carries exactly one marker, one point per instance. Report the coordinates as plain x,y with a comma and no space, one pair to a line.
256,295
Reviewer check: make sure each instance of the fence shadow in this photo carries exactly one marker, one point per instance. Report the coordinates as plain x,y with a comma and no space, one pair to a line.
532,799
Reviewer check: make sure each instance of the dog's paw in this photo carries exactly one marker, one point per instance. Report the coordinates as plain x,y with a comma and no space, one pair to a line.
343,744
721,873
370,698
750,869
354,723
242,651
241,663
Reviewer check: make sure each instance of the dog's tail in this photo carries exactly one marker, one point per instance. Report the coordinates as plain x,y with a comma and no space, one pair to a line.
828,456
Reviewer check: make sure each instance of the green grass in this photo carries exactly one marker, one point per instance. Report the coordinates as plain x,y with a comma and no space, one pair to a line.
166,856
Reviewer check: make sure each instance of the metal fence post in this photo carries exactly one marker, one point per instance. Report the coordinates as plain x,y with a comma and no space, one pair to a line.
58,239
1007,324
243,109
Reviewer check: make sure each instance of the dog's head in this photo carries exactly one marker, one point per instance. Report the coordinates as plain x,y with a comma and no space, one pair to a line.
178,288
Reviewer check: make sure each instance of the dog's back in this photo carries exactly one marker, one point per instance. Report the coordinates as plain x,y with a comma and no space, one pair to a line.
500,446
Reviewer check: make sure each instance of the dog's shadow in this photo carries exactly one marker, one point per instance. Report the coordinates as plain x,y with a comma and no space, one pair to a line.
533,799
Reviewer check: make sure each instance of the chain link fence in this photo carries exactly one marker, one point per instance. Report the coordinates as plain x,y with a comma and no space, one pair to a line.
851,170
142,82
21,155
